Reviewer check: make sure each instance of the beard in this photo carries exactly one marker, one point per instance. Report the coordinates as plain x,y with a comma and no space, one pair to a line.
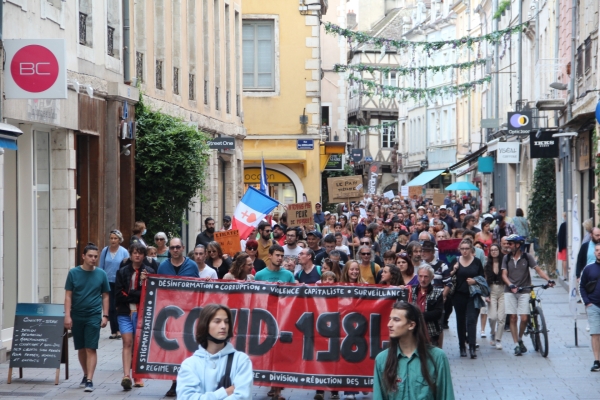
210,230
276,235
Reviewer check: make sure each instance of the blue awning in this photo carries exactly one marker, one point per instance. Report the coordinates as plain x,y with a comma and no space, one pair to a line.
8,144
425,177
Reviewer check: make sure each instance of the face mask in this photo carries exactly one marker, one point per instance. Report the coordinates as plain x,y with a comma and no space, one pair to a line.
454,201
143,233
154,258
215,340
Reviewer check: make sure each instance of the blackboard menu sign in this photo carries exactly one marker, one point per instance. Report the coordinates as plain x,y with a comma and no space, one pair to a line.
37,336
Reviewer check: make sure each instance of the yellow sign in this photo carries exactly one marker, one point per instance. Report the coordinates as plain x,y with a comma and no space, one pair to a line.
252,175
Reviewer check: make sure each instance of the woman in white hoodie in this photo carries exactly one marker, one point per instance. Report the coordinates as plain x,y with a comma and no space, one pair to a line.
202,376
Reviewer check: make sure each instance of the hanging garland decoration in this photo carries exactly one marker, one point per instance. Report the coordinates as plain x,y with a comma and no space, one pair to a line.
404,71
383,43
362,128
402,93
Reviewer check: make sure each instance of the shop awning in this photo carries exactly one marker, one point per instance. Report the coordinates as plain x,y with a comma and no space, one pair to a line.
580,122
425,177
469,158
9,135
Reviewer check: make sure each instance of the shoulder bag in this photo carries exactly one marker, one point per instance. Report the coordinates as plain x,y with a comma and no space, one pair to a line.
225,381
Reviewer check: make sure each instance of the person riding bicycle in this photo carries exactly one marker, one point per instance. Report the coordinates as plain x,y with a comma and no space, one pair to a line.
516,275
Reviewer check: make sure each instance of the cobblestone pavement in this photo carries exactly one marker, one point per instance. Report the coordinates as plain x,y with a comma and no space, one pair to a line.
495,374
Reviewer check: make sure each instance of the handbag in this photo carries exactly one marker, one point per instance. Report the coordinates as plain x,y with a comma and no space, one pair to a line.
225,381
591,286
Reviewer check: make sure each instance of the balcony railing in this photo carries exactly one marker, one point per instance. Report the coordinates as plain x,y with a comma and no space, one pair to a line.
328,134
548,71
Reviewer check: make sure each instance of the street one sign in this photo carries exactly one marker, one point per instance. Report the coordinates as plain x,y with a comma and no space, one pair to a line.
222,143
520,123
305,144
35,69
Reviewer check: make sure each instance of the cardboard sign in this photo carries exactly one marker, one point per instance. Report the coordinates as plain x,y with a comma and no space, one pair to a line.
343,188
229,241
415,191
300,214
389,194
438,199
404,191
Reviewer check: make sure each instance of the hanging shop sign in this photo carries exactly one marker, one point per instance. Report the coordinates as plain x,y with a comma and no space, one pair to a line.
583,151
305,336
357,155
373,178
519,123
335,163
545,146
508,153
35,69
221,143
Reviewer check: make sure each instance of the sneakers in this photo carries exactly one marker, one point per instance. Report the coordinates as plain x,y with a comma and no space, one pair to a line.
517,350
335,397
483,335
89,386
83,382
350,397
126,383
498,345
596,366
522,346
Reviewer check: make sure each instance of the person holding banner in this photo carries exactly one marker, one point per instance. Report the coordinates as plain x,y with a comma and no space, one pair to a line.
274,272
411,368
216,370
128,290
351,273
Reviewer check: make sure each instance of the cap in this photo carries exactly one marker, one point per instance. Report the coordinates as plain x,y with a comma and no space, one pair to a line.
428,245
403,233
488,216
315,233
502,209
421,208
424,218
227,218
388,222
317,203
463,212
277,226
327,213
443,207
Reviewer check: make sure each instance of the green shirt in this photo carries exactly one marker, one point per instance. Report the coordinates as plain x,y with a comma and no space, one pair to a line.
411,384
283,275
87,288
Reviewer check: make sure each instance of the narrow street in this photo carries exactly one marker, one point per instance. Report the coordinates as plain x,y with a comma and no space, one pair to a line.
495,374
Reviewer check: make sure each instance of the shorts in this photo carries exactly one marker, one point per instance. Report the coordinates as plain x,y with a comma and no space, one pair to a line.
562,255
593,313
86,332
127,323
516,303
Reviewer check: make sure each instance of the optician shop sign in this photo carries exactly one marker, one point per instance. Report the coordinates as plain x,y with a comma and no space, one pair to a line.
35,69
520,123
508,153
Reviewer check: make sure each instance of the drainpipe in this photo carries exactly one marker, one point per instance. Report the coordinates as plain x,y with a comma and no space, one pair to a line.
497,60
573,69
556,50
126,44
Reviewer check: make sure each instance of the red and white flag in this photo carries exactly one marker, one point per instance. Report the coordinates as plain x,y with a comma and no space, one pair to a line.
253,207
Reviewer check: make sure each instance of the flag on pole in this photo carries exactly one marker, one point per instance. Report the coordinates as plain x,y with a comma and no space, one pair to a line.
264,183
575,245
253,207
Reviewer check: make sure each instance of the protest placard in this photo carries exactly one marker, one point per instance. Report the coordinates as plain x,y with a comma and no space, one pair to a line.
300,214
229,241
344,188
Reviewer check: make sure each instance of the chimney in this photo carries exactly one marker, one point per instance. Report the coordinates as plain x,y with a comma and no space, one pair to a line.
351,19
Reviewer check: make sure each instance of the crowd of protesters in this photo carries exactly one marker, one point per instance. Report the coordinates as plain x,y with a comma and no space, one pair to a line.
377,240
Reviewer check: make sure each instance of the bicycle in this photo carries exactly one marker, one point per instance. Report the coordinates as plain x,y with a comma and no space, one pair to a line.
536,325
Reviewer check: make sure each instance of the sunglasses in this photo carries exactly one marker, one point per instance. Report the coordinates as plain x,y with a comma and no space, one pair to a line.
365,254
159,239
403,254
267,231
465,248
252,248
367,243
175,247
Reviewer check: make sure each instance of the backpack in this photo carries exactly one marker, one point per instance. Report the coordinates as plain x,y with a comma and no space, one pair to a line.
318,271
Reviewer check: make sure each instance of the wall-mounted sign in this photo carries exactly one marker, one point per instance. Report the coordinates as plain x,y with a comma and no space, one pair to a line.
583,151
35,69
305,144
545,146
335,163
490,123
222,143
369,159
508,153
357,155
519,123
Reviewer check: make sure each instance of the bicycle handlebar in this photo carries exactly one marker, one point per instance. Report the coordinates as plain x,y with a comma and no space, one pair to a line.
533,287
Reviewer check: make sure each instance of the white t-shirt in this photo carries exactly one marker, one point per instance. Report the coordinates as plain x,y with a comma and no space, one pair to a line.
291,252
208,272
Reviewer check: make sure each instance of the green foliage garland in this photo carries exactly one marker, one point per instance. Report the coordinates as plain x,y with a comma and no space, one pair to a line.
542,213
369,127
373,88
171,162
380,43
404,71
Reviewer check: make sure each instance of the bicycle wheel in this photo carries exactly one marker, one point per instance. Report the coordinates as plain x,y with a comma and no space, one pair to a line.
532,327
542,336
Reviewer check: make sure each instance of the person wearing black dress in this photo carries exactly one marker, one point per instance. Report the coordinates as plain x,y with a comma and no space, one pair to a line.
466,268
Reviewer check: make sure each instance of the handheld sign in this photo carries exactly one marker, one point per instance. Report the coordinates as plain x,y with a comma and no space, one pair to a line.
300,214
229,241
38,338
344,188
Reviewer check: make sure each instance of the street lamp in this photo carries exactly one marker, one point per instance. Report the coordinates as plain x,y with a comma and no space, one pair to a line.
559,86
